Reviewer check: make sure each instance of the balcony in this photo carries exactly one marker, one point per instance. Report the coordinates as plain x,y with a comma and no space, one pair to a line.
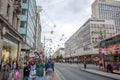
17,6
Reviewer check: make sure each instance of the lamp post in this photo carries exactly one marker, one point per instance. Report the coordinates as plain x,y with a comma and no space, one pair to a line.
84,57
101,37
45,43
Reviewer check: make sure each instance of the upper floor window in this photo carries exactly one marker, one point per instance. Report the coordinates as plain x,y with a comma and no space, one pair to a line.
25,1
23,24
24,12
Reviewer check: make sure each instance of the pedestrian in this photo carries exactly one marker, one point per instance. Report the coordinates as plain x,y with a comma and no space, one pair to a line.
32,71
5,70
26,71
19,65
85,65
39,69
14,68
49,68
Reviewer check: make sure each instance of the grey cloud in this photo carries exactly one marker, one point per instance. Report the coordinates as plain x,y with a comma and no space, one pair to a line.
61,12
69,11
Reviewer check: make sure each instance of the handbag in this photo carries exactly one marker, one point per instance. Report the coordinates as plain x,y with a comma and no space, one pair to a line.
33,72
17,74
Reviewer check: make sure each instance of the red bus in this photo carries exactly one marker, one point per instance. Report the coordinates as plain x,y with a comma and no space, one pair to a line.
109,54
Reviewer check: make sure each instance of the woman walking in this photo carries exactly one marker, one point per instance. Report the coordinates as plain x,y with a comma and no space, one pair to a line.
39,69
14,68
32,71
5,71
26,71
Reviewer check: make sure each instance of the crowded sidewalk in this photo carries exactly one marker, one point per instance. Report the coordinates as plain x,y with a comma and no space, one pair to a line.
56,76
33,69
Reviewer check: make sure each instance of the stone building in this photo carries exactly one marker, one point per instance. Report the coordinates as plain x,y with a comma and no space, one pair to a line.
10,39
83,43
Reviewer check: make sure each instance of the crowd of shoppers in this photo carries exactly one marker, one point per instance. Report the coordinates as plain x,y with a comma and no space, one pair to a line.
32,70
35,70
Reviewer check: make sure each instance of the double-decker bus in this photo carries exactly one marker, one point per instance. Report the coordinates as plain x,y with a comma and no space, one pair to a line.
109,54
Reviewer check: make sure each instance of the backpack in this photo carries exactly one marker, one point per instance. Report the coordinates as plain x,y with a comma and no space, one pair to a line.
50,67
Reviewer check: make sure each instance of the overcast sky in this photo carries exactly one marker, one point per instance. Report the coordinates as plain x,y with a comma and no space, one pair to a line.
63,17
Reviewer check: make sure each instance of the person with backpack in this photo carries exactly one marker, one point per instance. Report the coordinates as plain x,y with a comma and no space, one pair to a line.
49,69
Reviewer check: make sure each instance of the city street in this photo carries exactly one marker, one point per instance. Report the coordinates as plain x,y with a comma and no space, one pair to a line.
69,72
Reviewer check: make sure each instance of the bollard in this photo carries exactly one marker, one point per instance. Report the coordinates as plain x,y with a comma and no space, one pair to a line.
85,65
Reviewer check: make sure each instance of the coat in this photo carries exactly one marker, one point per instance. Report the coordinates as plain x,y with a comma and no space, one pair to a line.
48,65
39,69
26,71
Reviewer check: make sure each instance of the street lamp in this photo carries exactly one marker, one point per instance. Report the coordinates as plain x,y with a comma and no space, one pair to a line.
45,43
101,37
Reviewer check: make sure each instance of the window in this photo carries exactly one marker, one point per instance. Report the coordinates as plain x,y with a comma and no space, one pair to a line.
102,44
24,1
116,57
109,42
23,24
24,12
118,39
8,9
115,40
108,58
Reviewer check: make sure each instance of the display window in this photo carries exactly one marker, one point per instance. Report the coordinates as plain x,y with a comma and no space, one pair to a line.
9,51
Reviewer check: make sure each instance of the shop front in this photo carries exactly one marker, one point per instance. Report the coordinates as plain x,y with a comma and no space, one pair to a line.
10,41
10,49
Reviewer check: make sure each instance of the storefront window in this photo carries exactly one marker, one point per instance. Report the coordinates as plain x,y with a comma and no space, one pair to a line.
9,51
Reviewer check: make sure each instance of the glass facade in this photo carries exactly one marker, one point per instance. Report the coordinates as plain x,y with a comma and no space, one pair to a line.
30,38
109,11
29,24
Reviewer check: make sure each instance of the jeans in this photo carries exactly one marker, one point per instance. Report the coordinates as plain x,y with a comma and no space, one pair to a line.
49,77
39,78
13,73
25,78
32,78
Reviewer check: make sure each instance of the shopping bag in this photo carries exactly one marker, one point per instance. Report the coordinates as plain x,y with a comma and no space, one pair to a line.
53,75
33,72
17,74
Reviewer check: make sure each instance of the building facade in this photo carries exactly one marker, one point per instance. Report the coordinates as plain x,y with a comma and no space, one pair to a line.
59,52
10,39
38,31
84,41
28,25
107,9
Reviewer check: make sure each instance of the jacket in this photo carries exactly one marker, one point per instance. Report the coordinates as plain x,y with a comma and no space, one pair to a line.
49,65
39,69
26,71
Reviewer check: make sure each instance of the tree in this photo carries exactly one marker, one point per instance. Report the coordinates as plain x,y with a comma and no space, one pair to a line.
61,57
57,58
